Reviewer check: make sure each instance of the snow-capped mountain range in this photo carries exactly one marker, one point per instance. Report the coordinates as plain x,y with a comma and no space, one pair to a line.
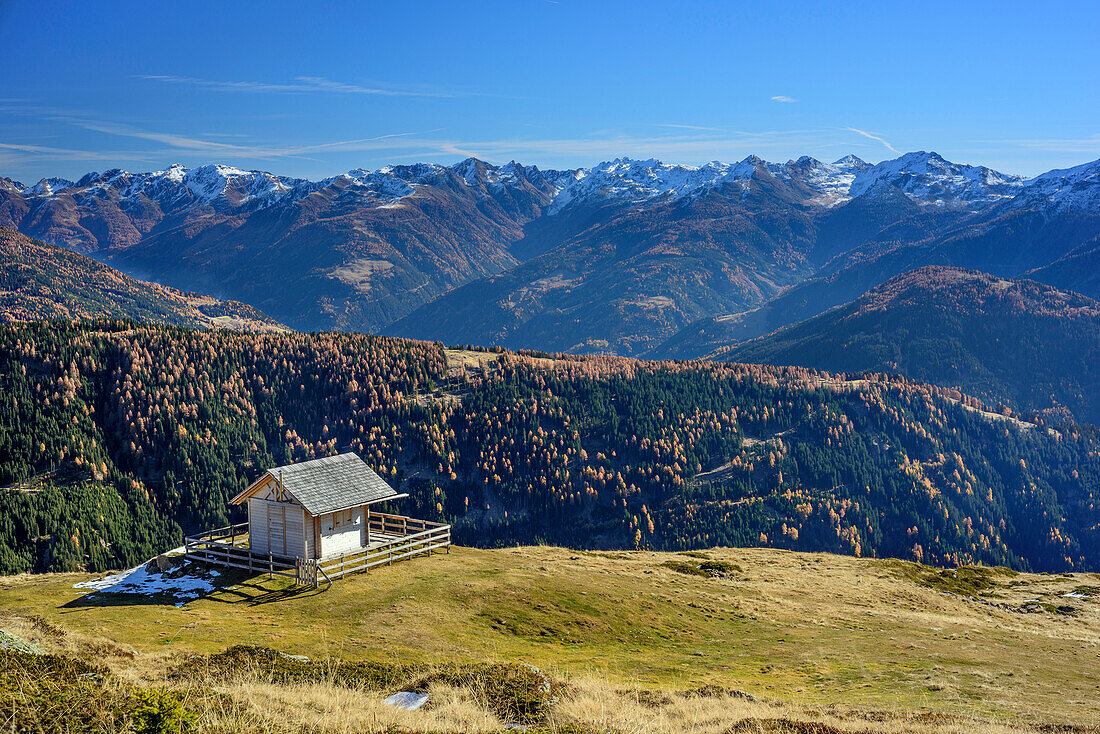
926,178
619,256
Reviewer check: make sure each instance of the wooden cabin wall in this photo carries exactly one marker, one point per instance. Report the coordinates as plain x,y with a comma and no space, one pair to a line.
257,526
343,538
295,528
278,528
311,523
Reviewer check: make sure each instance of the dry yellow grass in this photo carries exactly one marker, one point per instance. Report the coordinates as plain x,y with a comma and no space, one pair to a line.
856,644
329,709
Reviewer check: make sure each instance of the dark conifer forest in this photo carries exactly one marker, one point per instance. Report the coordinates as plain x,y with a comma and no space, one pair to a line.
117,438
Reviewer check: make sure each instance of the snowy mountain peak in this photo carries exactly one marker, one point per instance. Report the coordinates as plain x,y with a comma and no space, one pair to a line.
829,181
212,182
851,163
929,178
627,179
15,187
377,184
49,186
1064,189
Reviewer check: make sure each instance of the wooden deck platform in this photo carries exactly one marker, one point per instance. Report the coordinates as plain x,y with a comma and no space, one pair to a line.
393,538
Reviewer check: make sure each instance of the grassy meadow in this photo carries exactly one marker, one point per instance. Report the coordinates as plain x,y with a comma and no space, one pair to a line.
635,641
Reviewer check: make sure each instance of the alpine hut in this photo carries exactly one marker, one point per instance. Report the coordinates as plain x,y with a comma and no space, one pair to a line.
314,519
315,509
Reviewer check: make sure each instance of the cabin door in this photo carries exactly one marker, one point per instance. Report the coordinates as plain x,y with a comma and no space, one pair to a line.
276,530
286,530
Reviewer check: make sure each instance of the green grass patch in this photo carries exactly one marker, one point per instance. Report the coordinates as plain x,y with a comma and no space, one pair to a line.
707,569
964,580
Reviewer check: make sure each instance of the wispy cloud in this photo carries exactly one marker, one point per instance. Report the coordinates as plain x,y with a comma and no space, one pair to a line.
300,85
672,142
783,98
689,127
190,144
182,142
688,145
52,153
873,137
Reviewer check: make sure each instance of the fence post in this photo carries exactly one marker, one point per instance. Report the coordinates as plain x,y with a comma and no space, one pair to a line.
270,566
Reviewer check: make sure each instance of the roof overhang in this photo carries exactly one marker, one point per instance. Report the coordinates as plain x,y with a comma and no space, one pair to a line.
251,489
364,504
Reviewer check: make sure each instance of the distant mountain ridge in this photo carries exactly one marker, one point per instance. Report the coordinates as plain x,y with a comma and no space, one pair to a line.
617,257
926,177
645,271
1015,342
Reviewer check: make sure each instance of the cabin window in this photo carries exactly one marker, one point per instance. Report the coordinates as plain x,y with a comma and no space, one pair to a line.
343,519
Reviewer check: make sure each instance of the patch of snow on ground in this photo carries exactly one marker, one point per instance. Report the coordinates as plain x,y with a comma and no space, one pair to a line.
1078,595
407,700
185,582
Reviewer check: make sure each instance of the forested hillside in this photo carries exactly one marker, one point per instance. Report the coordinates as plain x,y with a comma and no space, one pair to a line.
1014,342
117,437
43,281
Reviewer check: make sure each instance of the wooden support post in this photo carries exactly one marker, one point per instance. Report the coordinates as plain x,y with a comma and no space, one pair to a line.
270,566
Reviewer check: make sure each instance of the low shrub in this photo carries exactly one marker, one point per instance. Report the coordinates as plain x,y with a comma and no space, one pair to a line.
709,569
782,726
46,693
160,711
964,580
713,691
513,692
277,667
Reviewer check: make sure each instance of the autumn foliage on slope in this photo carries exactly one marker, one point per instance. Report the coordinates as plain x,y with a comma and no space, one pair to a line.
43,281
115,438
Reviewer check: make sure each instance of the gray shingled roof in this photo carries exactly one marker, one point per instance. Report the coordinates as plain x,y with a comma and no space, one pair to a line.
333,483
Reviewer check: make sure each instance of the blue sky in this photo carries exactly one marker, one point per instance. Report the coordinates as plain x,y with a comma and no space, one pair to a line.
314,92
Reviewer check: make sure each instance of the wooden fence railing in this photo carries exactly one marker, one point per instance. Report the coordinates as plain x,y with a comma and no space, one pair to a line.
394,538
413,537
221,547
